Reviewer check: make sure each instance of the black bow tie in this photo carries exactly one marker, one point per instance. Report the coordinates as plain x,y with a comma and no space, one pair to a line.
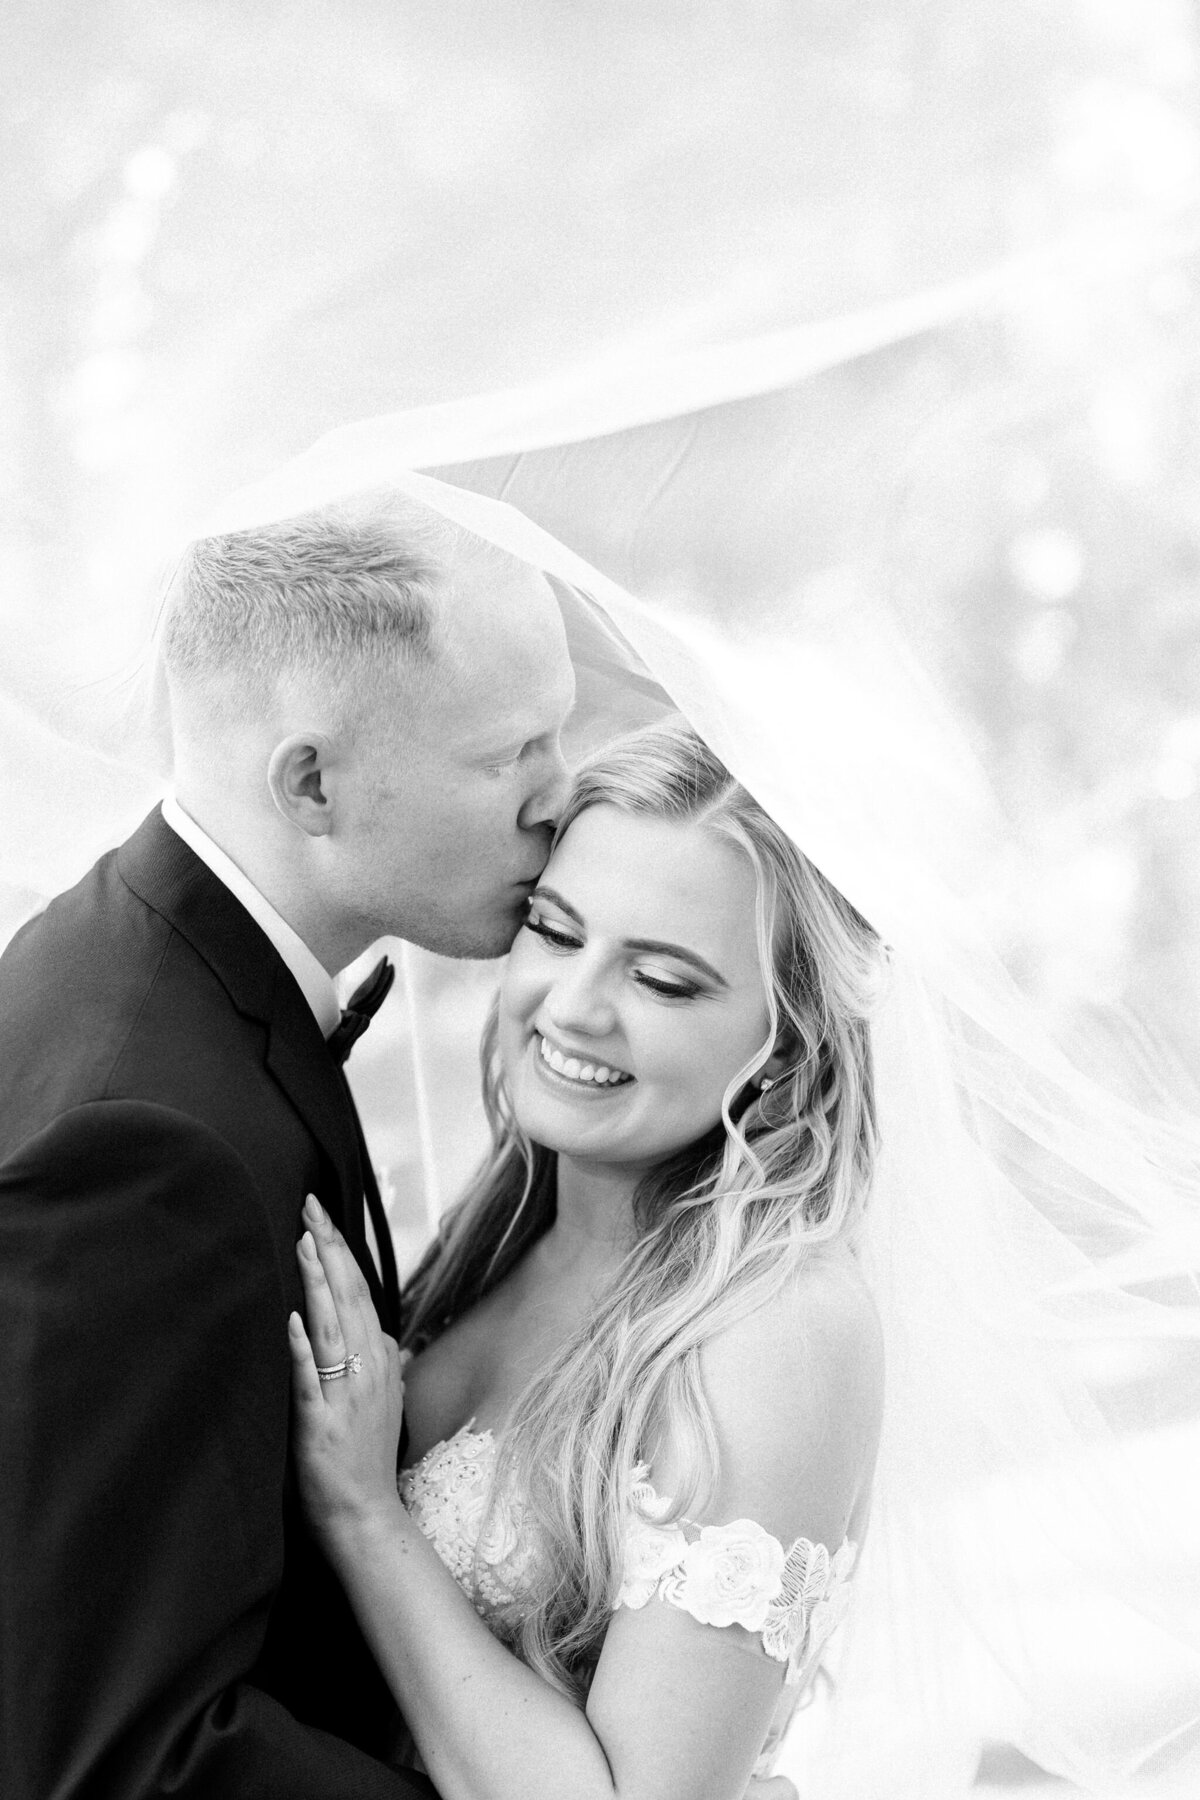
364,1003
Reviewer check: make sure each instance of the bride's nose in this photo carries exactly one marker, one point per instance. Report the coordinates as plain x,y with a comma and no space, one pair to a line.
580,999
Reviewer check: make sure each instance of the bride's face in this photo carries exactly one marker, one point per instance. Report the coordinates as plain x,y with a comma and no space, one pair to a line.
633,994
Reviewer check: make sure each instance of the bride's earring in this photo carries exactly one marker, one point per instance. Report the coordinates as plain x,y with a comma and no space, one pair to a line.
767,1081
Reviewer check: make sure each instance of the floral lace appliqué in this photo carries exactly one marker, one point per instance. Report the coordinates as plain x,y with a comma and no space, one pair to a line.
738,1574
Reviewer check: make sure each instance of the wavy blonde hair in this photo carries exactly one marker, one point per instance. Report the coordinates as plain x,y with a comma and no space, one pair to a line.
722,1225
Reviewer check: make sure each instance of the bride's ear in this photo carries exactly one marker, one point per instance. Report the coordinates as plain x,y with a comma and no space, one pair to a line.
298,777
786,1054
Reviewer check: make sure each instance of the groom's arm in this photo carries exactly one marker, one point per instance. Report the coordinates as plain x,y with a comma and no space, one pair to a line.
143,1418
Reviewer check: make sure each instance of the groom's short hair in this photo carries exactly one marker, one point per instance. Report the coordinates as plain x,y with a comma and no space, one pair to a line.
343,588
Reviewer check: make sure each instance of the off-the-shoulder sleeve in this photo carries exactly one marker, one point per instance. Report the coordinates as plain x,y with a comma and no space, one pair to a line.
737,1574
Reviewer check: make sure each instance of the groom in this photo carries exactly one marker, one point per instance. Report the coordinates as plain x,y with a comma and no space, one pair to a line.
366,710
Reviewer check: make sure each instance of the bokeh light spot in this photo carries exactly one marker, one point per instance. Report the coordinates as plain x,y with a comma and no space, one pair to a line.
1047,563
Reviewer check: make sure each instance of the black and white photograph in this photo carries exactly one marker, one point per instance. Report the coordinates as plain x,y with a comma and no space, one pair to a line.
600,900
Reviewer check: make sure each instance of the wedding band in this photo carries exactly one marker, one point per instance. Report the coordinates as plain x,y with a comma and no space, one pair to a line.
351,1365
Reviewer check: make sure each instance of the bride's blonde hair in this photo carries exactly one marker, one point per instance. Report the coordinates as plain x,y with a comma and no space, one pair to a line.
722,1225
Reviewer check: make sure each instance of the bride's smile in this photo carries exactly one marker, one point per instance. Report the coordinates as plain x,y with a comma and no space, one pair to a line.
634,995
579,1070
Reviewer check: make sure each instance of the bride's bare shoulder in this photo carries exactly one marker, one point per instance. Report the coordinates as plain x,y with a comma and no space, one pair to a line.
796,1390
822,1325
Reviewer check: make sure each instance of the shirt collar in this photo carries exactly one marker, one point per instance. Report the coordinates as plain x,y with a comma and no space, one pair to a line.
313,980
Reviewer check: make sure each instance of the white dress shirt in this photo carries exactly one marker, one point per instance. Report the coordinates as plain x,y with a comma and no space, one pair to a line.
311,977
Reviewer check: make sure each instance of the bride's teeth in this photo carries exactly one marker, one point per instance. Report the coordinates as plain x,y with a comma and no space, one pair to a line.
598,1074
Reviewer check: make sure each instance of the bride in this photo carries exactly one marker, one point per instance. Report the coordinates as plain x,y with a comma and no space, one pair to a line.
645,1405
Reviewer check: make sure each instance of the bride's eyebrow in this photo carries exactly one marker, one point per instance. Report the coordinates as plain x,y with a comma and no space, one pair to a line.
542,892
658,945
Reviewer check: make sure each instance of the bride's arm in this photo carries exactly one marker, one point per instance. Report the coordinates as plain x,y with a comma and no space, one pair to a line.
678,1710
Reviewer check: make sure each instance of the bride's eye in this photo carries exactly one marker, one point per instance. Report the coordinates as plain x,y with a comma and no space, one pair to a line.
669,990
552,934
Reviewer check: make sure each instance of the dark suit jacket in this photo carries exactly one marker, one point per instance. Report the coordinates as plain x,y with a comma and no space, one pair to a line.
166,1102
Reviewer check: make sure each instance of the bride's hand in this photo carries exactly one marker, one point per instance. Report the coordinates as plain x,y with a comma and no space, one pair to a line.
347,1428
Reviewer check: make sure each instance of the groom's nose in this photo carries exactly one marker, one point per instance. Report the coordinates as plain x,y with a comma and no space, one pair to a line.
543,805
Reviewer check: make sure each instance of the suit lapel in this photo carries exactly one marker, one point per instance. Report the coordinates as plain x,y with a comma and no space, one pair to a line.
311,1082
159,867
329,1109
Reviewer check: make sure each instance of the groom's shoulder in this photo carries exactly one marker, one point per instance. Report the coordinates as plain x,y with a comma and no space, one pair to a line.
102,981
97,936
98,943
94,932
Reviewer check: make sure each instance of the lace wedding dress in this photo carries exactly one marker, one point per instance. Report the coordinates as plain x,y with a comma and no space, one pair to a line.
790,1599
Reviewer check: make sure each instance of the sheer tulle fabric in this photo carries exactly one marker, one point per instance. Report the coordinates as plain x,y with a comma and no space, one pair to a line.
725,560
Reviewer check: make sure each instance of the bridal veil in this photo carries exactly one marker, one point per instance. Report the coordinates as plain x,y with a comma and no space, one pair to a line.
719,522
1021,1572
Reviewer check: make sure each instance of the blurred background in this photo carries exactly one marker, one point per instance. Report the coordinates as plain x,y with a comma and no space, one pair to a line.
230,227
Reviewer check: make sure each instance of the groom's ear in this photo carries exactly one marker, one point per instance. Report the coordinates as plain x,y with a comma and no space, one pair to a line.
298,777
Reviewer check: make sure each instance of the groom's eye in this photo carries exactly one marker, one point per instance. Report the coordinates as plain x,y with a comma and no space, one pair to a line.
509,761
